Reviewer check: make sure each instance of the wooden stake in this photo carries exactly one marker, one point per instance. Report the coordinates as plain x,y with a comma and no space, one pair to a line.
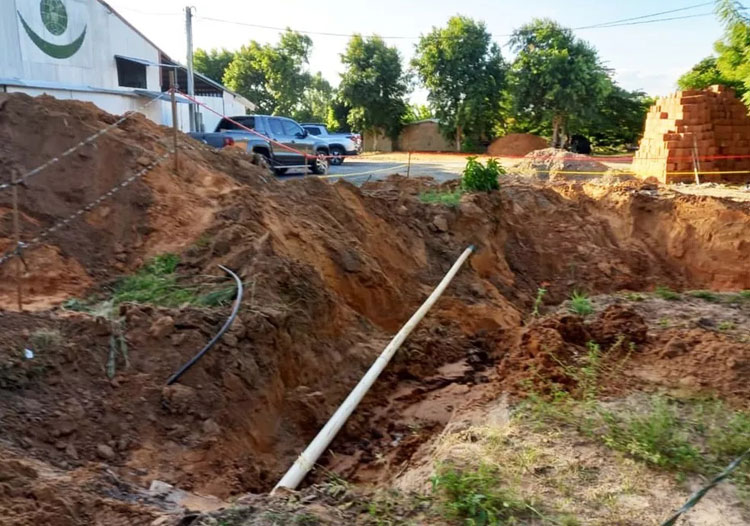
696,164
17,241
172,89
408,165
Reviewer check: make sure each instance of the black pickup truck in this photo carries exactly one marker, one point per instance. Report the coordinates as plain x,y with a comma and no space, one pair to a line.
291,146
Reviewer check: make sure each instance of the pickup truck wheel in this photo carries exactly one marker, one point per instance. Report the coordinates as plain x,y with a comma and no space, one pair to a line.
338,156
319,165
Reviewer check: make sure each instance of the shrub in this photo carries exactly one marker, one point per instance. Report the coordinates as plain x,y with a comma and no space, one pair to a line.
580,304
480,178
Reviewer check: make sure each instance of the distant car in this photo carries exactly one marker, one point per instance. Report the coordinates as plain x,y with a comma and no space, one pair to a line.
340,144
291,146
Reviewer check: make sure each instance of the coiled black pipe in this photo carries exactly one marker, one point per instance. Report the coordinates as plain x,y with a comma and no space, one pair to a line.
227,324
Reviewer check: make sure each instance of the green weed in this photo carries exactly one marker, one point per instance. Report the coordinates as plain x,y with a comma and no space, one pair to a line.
155,283
705,295
580,304
541,291
476,496
481,178
217,298
666,293
634,296
447,198
726,325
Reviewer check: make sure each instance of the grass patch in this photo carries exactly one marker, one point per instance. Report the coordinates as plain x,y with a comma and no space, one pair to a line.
691,436
657,436
706,295
634,296
476,496
666,293
451,198
580,304
727,326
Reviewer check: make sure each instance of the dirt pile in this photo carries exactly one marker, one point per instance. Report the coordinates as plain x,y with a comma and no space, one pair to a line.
331,271
551,164
162,212
516,144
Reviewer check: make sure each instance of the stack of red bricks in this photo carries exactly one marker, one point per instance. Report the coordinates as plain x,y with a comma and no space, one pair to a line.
713,121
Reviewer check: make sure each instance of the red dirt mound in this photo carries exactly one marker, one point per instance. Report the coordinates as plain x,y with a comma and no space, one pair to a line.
161,212
331,271
516,144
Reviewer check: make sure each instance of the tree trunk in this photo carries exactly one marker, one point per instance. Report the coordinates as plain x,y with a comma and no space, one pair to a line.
556,125
458,138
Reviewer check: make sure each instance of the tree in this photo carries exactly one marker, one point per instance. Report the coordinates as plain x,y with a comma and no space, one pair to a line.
212,63
464,72
272,77
704,74
618,118
373,86
337,118
416,113
316,98
555,76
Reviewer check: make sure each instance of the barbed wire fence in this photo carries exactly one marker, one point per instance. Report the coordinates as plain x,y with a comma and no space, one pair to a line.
20,181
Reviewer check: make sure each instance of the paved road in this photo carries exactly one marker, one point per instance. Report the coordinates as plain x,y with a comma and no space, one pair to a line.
359,170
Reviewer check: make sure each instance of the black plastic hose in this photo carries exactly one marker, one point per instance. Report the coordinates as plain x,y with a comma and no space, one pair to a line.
176,376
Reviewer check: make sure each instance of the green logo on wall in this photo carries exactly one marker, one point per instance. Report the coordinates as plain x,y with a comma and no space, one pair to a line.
55,19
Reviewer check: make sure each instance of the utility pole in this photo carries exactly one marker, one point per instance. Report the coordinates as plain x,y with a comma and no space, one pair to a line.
190,78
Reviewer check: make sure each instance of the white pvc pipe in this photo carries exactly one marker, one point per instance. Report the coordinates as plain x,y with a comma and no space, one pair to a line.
310,455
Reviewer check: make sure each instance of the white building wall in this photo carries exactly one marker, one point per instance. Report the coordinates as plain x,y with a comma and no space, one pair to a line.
92,66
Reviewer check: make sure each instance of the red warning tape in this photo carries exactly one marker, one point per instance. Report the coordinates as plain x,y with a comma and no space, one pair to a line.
613,158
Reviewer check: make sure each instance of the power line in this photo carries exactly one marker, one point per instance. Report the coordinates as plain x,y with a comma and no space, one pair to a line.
603,25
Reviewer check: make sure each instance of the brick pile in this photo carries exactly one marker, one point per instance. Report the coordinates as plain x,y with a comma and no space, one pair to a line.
715,120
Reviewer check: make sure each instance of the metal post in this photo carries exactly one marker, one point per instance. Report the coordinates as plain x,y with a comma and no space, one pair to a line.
696,163
173,96
17,241
408,164
190,78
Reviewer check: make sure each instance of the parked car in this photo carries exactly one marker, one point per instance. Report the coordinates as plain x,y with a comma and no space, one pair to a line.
340,144
291,146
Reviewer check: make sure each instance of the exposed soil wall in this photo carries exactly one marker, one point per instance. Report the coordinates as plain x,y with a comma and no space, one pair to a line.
331,272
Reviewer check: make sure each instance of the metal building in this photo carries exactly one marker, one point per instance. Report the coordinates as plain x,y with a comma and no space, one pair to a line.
85,50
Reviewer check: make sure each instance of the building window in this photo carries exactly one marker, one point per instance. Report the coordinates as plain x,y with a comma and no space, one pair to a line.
130,74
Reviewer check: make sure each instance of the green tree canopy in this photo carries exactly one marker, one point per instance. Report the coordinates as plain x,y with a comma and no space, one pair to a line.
212,63
273,77
416,113
617,119
555,76
373,85
706,73
464,72
316,99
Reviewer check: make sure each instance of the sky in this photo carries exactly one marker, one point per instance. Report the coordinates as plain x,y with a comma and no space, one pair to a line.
648,57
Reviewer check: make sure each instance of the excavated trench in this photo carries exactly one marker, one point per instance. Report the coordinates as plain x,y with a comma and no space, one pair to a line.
331,271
